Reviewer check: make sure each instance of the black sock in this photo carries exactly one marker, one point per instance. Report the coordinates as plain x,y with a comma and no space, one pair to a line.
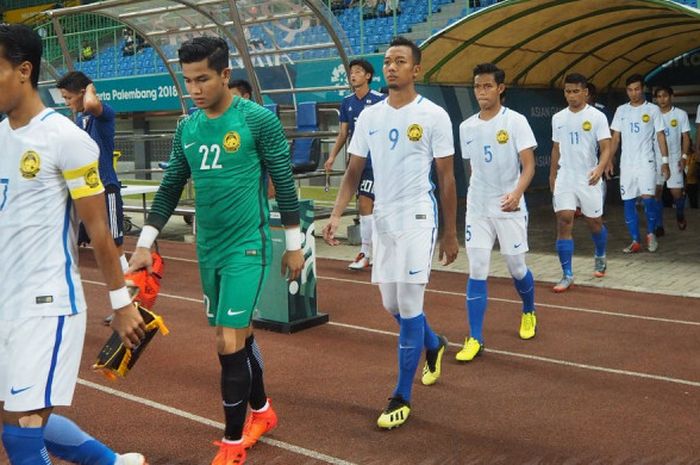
235,390
258,398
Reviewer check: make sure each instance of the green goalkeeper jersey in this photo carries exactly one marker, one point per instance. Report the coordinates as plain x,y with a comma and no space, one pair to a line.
228,158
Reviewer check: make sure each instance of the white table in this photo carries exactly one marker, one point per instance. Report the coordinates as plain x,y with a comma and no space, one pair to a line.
142,191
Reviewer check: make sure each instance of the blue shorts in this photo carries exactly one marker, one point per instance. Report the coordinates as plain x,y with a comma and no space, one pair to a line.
366,187
115,216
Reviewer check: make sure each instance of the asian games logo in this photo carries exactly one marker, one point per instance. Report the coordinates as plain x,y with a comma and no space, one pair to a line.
339,77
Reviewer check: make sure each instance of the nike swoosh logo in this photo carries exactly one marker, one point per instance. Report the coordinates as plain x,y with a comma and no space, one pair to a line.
559,127
230,312
233,405
517,245
469,142
412,272
371,133
474,298
14,391
406,347
596,211
189,145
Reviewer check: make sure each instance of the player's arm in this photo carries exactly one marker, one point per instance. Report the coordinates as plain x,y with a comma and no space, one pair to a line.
127,321
339,143
661,137
449,246
164,203
272,145
685,149
614,146
348,187
91,102
511,202
604,162
554,165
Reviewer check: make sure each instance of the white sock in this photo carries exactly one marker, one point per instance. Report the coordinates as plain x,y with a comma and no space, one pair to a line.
366,225
230,441
124,263
264,408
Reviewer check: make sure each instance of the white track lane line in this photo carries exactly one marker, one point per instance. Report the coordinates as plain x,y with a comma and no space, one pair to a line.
511,301
214,424
554,361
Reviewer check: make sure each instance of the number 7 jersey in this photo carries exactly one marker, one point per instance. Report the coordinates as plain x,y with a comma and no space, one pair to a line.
493,148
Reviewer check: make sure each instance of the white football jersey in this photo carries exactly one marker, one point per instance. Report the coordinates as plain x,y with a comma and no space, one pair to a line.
403,143
43,166
675,124
577,135
493,148
637,127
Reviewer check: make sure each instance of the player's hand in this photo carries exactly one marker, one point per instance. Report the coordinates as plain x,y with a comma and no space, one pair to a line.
511,202
666,171
129,325
609,170
449,248
329,231
141,258
595,175
292,263
328,165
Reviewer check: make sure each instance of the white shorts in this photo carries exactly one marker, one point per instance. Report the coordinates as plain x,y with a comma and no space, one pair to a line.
39,361
481,233
403,257
675,181
569,196
636,182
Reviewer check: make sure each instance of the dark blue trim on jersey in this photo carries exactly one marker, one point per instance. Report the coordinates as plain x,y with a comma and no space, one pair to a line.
54,361
432,197
52,112
419,100
69,260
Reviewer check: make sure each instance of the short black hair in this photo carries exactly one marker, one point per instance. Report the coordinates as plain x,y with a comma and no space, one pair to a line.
592,89
400,41
489,68
75,81
20,43
667,88
576,78
635,78
213,49
366,65
242,85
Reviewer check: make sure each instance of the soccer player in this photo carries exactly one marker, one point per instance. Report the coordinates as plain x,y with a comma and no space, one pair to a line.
405,133
636,124
575,175
48,178
223,147
97,119
499,144
361,72
677,132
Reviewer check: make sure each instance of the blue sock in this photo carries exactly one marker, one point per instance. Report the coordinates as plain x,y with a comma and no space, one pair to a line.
410,350
477,300
565,249
650,210
430,339
632,219
25,446
526,289
659,213
600,239
65,440
680,208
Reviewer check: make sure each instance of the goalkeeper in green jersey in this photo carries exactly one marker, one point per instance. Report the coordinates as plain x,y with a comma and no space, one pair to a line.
227,146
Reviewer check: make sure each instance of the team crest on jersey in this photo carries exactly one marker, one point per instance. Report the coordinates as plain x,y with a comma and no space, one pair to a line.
29,164
415,132
232,141
587,126
674,122
92,179
645,118
502,136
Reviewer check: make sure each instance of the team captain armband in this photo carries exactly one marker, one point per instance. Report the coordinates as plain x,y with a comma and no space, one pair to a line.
83,181
115,359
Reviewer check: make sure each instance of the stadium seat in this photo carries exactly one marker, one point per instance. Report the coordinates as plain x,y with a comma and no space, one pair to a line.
274,108
306,152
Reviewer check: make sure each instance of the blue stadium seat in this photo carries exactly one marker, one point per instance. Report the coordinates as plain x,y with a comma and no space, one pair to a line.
306,152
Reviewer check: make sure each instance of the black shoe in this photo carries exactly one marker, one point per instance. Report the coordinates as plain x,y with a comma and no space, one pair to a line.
660,231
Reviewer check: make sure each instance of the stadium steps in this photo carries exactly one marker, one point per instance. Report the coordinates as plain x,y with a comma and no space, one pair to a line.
421,31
